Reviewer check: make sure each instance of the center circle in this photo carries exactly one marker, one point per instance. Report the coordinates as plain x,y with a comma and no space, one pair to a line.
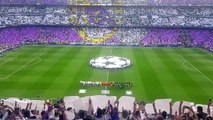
110,62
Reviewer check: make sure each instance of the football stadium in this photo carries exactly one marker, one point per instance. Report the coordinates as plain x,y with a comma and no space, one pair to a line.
106,59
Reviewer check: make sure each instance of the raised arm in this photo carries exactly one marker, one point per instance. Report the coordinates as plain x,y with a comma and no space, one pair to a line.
21,115
30,105
62,109
194,114
180,108
16,105
208,107
155,110
27,107
49,109
109,108
195,117
116,103
170,108
91,109
134,108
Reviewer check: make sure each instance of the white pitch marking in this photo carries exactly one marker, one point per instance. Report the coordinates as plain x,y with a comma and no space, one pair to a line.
82,91
7,60
197,69
105,92
209,53
12,52
128,92
108,72
187,67
107,78
23,66
39,60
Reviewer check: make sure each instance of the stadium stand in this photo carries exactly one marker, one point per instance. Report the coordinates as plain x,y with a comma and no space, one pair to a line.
108,25
17,36
103,107
108,16
109,2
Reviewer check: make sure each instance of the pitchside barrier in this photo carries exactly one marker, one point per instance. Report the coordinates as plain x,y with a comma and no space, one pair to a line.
106,84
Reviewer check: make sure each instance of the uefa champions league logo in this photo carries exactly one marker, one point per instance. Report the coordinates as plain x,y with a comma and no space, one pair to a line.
110,62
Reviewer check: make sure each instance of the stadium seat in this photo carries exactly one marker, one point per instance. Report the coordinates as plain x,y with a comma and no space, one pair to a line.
149,108
9,103
126,102
38,105
81,103
188,104
101,101
175,107
68,100
22,104
163,105
70,115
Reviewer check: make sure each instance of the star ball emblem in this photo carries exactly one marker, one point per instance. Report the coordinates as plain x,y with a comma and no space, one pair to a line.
110,62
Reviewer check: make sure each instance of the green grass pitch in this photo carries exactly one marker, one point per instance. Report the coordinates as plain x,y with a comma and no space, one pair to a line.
55,71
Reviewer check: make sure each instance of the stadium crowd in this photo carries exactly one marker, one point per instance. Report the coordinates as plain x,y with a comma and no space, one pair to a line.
101,107
33,15
16,36
108,16
110,2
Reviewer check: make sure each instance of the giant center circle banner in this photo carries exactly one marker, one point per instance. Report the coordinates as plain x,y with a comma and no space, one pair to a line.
110,62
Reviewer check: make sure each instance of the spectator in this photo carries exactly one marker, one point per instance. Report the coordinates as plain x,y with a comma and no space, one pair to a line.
200,113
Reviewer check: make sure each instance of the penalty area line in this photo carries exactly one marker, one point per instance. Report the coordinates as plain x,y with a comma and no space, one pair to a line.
23,66
9,59
184,65
197,69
